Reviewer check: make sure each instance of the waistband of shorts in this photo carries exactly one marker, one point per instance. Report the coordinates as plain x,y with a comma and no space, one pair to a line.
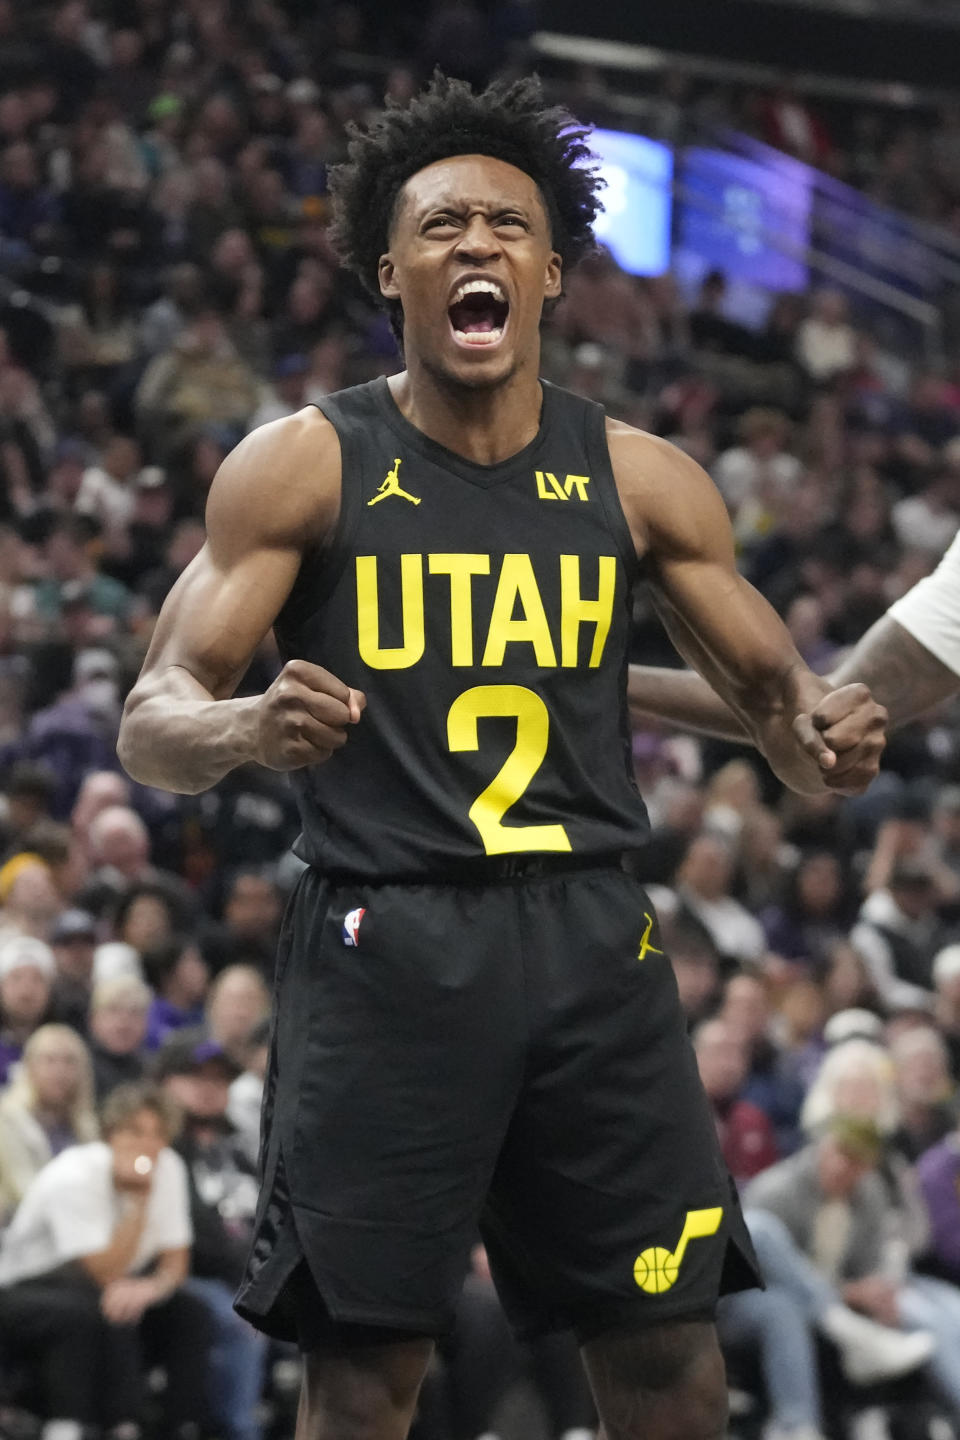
495,870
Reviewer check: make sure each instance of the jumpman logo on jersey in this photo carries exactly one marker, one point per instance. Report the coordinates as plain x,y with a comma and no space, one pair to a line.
391,486
645,947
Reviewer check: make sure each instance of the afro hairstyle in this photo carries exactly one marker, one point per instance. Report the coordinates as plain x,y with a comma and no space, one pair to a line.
509,121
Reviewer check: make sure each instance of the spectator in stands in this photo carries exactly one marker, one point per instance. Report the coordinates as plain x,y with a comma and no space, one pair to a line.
200,379
29,897
711,330
897,935
815,913
27,971
78,732
28,792
72,570
946,980
238,999
771,1083
29,211
696,968
146,917
704,881
107,491
925,1090
251,921
103,1237
47,1107
826,341
73,940
119,1009
178,975
196,1072
761,464
98,790
747,1137
795,1212
861,1251
120,847
938,1173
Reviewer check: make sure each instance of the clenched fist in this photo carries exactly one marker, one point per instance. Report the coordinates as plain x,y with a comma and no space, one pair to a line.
846,734
304,715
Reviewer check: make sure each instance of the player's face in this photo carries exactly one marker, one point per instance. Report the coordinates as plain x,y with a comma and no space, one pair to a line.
471,261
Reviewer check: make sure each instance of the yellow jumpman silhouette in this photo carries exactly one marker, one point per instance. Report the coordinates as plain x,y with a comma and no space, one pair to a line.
391,486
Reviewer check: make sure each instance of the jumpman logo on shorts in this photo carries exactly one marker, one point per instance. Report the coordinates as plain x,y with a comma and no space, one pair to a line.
391,486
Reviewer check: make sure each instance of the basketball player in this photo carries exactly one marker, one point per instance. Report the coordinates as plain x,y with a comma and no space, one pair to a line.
910,659
476,1022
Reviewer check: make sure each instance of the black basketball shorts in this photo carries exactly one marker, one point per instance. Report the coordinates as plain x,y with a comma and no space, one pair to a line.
508,1059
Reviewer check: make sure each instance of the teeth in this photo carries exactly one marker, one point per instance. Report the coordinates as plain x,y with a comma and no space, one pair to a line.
479,337
479,287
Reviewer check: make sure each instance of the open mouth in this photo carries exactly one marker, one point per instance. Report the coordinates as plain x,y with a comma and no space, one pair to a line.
478,313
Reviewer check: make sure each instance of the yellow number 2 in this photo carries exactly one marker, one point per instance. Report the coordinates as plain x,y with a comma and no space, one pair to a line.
519,768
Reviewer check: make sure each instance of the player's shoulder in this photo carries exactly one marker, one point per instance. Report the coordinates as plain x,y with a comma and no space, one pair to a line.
632,451
282,479
651,471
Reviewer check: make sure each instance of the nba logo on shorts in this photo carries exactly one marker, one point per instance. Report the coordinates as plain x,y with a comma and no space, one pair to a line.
351,926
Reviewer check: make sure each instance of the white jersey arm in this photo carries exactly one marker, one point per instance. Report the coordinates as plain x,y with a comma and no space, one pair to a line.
930,612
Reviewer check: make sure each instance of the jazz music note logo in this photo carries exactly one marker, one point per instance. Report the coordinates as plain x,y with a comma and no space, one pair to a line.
656,1269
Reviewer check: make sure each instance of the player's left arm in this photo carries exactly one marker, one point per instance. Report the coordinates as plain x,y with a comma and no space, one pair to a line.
815,737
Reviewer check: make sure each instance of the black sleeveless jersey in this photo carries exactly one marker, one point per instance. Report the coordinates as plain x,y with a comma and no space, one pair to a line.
484,612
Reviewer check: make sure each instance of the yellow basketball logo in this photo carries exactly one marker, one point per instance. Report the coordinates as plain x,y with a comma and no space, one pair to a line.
656,1269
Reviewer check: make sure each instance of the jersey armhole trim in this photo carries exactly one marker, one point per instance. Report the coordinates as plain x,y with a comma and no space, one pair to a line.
595,440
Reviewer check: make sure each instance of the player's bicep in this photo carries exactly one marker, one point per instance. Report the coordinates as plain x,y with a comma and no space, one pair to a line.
216,615
274,496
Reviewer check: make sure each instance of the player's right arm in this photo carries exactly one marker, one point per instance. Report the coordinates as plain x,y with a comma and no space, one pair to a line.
276,495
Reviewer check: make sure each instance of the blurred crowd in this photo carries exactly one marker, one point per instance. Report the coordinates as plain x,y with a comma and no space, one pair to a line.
167,284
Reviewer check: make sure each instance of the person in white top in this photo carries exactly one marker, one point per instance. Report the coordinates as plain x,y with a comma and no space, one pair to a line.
91,1270
910,660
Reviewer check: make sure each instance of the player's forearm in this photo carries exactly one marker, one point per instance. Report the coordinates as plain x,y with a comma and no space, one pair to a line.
901,673
175,736
765,691
683,698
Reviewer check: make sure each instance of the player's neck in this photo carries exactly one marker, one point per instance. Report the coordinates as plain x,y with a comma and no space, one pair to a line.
485,426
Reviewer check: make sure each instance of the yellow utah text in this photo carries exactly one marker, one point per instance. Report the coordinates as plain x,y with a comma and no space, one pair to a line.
517,614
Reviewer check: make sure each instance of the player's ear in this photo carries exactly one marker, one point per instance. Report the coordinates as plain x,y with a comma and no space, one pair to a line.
386,274
553,281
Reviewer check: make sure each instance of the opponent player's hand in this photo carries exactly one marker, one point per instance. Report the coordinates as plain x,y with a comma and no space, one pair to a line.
846,734
304,716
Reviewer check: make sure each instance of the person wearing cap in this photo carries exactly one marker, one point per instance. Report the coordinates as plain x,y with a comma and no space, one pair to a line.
117,1028
92,1273
47,1107
73,940
27,972
838,1212
818,1221
28,895
197,1072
